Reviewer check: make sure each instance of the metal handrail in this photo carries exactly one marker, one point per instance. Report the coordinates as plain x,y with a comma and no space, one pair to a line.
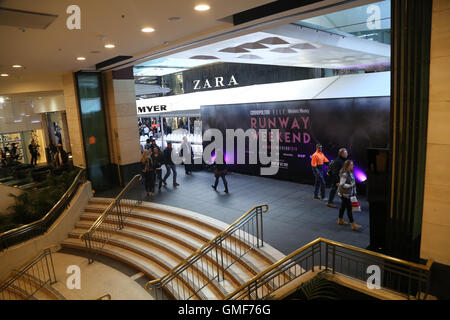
290,260
117,209
44,273
107,295
213,244
40,226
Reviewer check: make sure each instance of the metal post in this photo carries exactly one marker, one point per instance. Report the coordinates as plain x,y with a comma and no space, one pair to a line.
320,256
312,259
326,256
162,132
262,237
257,229
334,258
221,262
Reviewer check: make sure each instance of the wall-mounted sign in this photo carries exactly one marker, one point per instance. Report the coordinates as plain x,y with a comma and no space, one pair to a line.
147,108
217,82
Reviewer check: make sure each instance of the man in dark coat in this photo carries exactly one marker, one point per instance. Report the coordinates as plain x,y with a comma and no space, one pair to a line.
334,176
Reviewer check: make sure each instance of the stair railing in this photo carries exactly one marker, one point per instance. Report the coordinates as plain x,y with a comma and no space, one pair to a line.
209,263
112,219
34,229
25,283
408,279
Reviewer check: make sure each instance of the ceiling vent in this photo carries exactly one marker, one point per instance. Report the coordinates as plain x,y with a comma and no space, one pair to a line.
25,19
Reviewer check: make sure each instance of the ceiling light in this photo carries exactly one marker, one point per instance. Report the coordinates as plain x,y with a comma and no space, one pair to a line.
109,46
4,75
17,66
202,7
147,29
81,58
2,99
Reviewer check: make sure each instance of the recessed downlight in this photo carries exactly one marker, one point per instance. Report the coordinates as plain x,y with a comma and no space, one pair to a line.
81,58
4,75
109,46
17,66
148,29
202,7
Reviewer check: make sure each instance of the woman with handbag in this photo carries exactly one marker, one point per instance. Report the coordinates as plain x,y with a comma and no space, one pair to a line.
148,172
220,172
347,189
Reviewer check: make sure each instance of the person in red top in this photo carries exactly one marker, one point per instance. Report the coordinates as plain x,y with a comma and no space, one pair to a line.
318,159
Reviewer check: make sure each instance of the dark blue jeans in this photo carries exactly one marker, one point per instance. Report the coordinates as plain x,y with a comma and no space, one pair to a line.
333,191
319,182
173,168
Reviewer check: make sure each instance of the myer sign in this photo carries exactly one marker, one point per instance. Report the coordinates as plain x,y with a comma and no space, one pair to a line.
148,108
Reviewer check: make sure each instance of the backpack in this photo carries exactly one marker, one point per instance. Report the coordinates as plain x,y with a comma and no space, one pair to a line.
330,169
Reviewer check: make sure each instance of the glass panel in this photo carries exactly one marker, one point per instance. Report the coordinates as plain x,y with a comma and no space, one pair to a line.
94,130
371,22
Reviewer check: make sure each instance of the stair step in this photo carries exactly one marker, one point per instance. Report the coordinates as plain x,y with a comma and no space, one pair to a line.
151,264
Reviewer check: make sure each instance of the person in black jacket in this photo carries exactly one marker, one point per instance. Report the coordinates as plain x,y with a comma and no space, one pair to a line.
334,176
33,148
220,171
170,166
61,158
148,172
158,161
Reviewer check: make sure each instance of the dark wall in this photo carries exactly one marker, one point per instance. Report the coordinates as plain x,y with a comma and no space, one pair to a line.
354,123
244,74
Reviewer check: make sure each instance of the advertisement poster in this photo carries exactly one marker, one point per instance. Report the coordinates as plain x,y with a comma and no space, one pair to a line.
353,123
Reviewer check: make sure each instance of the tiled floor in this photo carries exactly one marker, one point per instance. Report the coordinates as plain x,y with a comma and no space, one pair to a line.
293,220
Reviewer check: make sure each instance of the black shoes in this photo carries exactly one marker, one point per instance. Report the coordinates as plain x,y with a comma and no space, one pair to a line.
215,188
317,198
175,184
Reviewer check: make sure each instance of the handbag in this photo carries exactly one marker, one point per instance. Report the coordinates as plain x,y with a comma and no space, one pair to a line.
355,204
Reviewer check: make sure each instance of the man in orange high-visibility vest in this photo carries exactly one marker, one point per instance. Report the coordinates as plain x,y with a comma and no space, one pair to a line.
318,159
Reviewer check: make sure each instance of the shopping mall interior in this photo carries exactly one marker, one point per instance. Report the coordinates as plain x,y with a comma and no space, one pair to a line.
115,117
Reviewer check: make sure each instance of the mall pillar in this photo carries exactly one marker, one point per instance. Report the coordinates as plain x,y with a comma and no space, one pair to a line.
73,120
411,24
435,242
123,123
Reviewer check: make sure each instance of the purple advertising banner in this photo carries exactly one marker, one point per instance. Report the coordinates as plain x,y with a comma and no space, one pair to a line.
353,123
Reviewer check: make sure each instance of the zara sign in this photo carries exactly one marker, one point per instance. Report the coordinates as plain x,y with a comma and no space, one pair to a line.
217,82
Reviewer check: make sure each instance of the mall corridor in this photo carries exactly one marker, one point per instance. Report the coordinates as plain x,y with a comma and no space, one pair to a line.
294,218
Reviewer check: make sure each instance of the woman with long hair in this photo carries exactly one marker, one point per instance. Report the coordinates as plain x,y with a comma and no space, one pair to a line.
347,189
148,171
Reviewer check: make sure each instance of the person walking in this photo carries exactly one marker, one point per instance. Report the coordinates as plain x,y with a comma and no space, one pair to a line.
158,161
318,159
220,172
170,166
33,148
187,153
334,168
148,172
60,158
347,189
148,144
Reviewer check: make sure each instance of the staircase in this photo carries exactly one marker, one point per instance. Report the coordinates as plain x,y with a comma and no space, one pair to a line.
156,238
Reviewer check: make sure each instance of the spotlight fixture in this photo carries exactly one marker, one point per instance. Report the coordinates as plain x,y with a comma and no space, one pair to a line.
148,29
109,46
81,58
17,66
4,75
202,7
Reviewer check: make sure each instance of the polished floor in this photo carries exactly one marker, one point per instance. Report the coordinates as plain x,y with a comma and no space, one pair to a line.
293,220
